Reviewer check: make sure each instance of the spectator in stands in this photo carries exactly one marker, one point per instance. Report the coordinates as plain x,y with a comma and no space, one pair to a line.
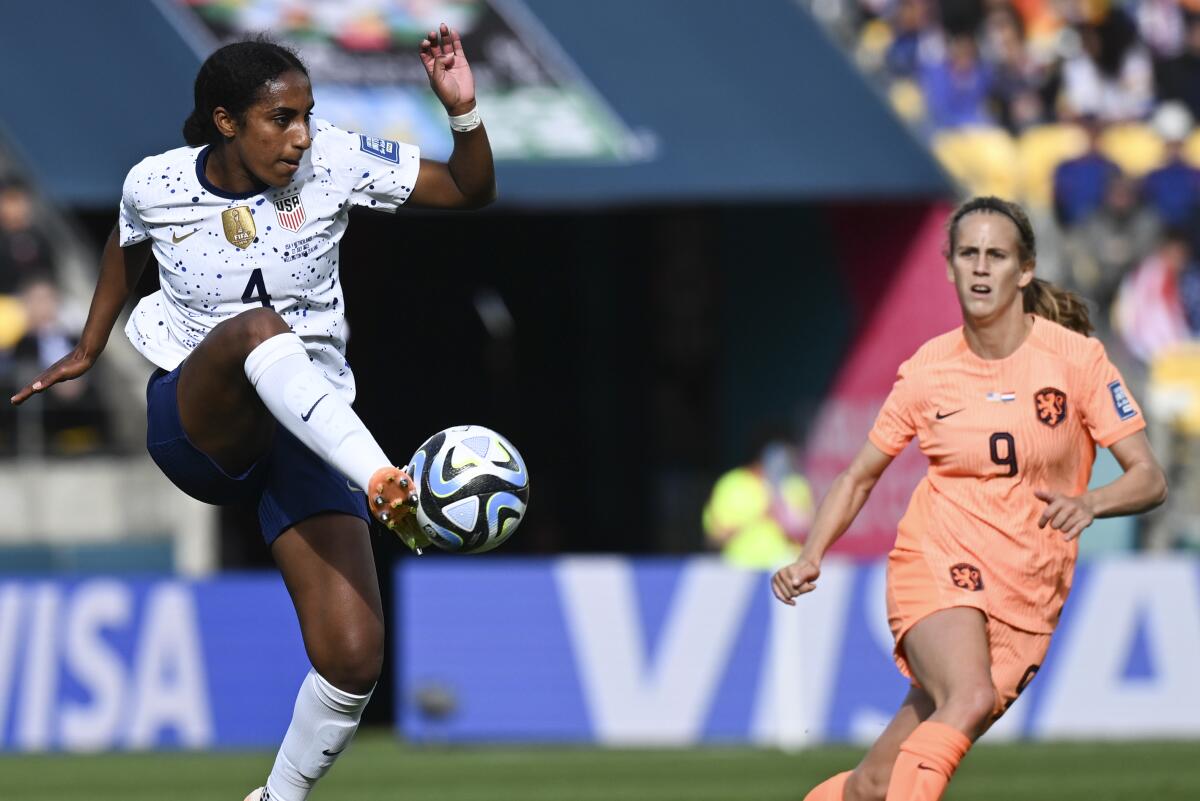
956,88
963,17
1112,77
1148,313
915,41
24,250
1189,290
1109,243
1017,80
1162,26
1178,78
759,514
72,416
1173,190
1080,183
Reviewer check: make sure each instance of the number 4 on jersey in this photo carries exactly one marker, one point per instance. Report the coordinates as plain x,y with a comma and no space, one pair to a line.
256,290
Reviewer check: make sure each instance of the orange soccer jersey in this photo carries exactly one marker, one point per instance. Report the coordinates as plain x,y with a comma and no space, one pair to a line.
995,431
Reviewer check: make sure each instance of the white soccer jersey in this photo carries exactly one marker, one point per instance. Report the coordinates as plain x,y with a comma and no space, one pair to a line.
220,254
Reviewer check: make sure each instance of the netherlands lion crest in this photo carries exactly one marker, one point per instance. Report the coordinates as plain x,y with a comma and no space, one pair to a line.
1051,405
966,577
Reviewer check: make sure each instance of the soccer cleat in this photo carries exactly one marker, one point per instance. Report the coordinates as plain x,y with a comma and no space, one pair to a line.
391,496
411,535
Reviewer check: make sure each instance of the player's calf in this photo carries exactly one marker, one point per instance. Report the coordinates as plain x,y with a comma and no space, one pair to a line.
324,721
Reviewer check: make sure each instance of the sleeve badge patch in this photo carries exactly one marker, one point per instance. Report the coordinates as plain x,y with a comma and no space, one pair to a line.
1121,401
385,149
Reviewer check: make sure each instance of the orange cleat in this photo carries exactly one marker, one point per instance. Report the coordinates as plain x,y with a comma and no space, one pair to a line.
392,497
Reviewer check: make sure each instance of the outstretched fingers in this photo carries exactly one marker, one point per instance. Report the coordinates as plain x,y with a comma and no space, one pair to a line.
428,54
62,370
444,47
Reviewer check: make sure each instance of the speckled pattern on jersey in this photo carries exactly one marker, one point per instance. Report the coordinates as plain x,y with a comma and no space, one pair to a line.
220,253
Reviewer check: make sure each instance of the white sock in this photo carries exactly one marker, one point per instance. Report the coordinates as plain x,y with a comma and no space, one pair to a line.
323,723
304,402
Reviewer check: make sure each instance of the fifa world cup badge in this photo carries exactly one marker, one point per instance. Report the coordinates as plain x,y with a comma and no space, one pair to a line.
239,226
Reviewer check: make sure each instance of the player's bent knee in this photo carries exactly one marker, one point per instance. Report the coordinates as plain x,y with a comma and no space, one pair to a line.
258,325
352,663
976,704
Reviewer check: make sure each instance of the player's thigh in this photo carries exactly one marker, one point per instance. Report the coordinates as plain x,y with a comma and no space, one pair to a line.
869,781
329,569
218,408
949,655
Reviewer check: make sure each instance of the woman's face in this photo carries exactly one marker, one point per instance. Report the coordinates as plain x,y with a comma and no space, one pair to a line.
274,134
985,266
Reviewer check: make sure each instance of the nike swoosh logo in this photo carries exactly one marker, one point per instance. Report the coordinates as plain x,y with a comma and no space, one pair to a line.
305,417
941,416
177,239
327,752
923,766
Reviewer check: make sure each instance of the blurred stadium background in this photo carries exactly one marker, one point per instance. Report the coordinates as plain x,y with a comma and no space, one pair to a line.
719,233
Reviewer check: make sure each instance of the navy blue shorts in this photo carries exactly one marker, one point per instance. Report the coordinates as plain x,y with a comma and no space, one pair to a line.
290,482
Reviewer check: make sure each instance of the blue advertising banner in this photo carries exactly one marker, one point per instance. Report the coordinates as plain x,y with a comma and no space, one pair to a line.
117,663
673,652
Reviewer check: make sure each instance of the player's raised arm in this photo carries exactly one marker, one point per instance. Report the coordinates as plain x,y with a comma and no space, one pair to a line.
468,179
120,269
836,512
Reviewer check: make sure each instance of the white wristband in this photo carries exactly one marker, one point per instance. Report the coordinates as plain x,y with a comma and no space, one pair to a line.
466,122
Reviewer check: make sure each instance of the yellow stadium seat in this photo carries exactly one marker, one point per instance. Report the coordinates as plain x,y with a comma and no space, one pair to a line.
12,321
1039,151
983,160
1173,390
907,100
1191,148
1135,147
873,43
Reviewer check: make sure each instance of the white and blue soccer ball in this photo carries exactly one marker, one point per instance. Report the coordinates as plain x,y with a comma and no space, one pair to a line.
472,489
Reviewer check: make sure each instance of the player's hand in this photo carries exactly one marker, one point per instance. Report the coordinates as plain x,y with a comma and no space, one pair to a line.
73,365
1070,514
449,73
795,579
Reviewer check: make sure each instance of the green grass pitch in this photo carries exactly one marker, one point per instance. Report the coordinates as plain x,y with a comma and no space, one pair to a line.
377,768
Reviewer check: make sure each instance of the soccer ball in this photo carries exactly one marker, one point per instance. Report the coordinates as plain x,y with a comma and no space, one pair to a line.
472,488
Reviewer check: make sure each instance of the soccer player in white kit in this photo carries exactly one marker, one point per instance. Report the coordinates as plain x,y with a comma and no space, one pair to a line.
251,399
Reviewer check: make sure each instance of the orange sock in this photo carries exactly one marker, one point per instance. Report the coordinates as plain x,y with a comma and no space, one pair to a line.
830,789
926,762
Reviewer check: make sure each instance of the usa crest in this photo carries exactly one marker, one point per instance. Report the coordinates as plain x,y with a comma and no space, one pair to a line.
290,212
1051,405
239,226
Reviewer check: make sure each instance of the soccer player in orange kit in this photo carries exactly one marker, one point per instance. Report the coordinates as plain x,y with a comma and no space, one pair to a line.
1009,410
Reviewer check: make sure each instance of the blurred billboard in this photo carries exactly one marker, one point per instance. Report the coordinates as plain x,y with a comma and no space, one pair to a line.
604,650
360,55
627,652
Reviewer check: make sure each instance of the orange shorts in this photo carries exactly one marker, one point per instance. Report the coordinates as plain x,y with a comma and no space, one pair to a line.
913,593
